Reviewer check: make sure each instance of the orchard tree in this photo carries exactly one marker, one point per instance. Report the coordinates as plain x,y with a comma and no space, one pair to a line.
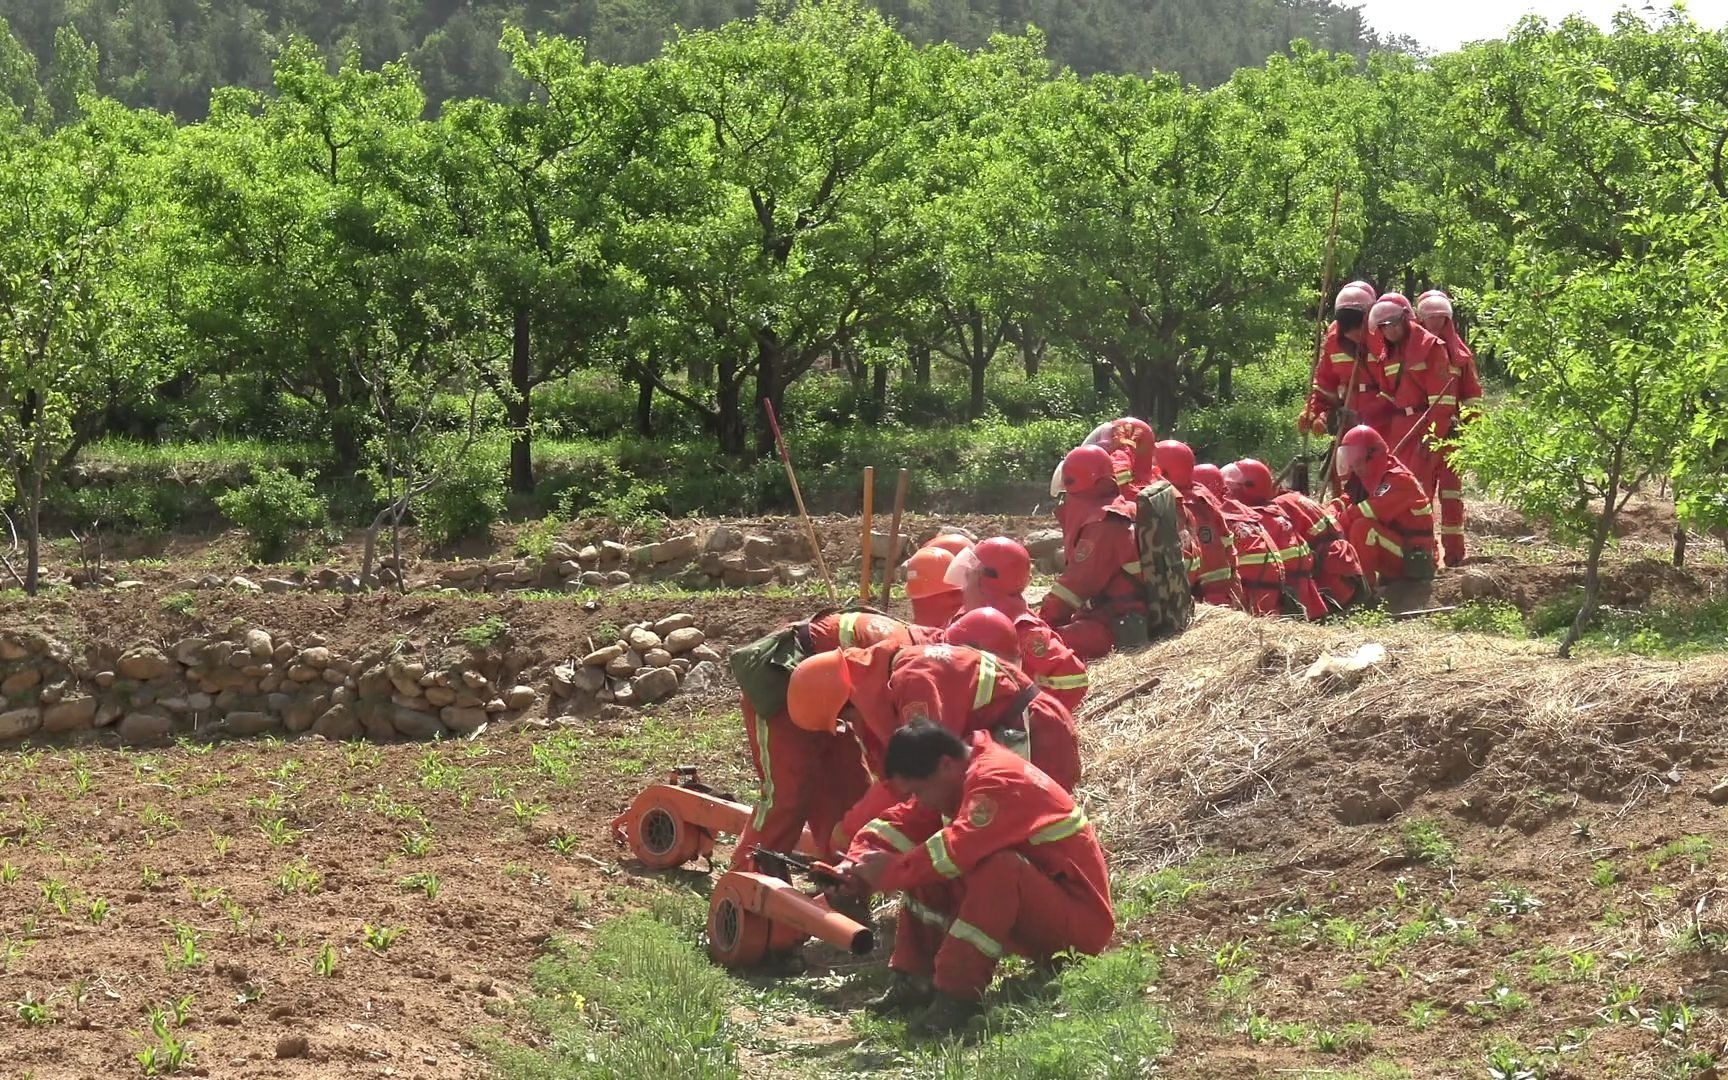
1183,227
793,196
79,317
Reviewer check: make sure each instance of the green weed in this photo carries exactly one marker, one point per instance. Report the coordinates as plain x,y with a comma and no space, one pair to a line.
485,634
1425,842
1694,849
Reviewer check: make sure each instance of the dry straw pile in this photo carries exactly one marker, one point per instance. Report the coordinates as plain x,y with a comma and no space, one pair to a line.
1234,745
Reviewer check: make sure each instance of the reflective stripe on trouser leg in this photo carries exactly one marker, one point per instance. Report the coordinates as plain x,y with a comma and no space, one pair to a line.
1007,905
764,802
920,931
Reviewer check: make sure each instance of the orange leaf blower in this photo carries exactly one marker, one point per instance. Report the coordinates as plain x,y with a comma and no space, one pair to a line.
753,913
674,823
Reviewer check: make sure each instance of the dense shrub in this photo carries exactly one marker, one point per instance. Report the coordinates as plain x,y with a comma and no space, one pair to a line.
466,504
274,509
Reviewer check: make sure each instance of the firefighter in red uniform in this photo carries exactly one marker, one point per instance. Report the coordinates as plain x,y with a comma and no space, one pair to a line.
992,858
1434,312
877,691
1099,601
1385,512
1347,376
1337,570
1210,477
995,574
1133,452
1416,362
1289,563
1212,569
934,601
805,778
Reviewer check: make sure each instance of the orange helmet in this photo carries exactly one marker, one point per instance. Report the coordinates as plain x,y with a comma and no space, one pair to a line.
951,542
927,573
820,688
987,630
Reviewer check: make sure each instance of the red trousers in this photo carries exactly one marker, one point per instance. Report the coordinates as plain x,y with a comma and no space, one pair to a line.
806,778
1265,599
1089,634
1451,493
1050,744
955,932
1340,574
1380,549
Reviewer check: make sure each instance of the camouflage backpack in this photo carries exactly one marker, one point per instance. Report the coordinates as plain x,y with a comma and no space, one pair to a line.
1158,532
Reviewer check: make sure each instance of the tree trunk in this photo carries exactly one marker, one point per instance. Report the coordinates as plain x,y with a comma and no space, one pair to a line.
730,428
644,406
699,370
769,388
920,357
975,398
1153,395
1679,545
879,388
1101,378
519,408
1226,379
344,432
1592,581
1031,352
33,528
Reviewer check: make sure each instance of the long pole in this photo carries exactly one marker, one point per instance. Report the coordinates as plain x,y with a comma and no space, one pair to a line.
1320,309
865,579
798,497
889,571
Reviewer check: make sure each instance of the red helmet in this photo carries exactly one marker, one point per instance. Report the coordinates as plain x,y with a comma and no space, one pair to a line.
1433,304
1356,296
1211,478
987,630
950,541
1359,449
1391,308
1252,482
1003,566
1087,469
1176,462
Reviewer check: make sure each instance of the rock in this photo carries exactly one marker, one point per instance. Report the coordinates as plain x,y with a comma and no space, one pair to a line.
299,716
244,584
703,677
744,579
406,680
680,664
569,568
473,680
104,679
603,657
560,552
798,575
179,706
1478,585
496,705
20,681
589,554
564,680
722,538
212,581
674,622
589,680
303,673
502,569
611,552
106,714
145,727
758,549
293,1045
440,696
1044,543
337,723
190,651
618,577
705,652
280,585
374,683
1345,672
17,723
624,665
325,578
342,695
462,574
657,658
641,639
145,663
655,684
128,584
259,644
623,696
12,649
520,697
643,555
1718,794
682,641
334,676
463,721
593,579
413,724
316,657
251,723
677,549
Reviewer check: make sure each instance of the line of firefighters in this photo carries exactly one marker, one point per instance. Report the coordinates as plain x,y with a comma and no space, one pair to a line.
937,758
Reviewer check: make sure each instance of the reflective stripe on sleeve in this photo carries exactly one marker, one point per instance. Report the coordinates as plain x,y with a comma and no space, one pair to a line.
1132,568
896,839
986,688
848,629
1066,682
1066,595
940,860
1061,830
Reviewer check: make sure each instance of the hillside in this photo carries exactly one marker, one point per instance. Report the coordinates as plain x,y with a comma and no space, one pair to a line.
167,54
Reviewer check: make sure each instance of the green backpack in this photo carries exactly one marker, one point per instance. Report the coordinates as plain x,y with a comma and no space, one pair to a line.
763,669
1158,532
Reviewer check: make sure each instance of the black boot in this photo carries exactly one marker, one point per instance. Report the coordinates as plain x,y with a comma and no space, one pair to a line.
905,993
945,1016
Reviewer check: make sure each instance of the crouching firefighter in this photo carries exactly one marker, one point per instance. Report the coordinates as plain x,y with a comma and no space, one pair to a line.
992,858
1385,511
1099,601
